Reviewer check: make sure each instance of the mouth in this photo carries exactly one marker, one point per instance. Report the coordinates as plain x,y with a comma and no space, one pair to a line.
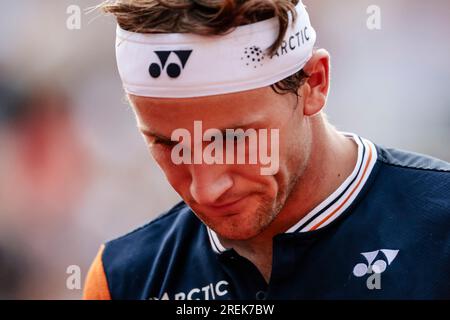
226,209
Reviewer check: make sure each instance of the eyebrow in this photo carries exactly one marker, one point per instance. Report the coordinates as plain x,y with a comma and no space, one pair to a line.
242,126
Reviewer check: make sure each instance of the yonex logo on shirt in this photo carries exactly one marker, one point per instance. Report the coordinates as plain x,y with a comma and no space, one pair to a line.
374,267
378,266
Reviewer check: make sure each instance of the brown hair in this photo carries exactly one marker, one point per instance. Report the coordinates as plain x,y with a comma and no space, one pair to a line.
207,17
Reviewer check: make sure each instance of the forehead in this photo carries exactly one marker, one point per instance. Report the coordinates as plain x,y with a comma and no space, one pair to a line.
221,111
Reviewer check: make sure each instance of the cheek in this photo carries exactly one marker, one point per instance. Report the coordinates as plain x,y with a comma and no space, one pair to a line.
294,142
161,155
248,178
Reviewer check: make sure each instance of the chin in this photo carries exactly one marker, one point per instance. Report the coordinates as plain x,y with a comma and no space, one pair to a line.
238,233
241,226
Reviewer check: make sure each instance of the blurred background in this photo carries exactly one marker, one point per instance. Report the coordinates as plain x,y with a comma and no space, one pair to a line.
74,171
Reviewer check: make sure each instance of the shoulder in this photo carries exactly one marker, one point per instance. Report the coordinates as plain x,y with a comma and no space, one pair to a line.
130,261
416,171
418,182
173,221
412,161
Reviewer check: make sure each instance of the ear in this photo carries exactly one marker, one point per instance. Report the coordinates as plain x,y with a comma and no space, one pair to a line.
315,89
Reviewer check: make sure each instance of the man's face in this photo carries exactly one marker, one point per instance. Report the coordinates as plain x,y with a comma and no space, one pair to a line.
235,200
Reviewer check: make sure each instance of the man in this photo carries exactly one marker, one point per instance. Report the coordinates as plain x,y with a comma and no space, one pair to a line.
333,217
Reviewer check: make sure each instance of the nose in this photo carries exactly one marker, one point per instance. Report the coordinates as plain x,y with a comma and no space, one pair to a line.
209,183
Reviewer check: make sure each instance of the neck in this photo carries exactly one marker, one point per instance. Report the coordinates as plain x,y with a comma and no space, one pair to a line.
332,159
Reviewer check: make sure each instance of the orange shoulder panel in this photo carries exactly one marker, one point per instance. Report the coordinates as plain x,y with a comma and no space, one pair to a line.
96,285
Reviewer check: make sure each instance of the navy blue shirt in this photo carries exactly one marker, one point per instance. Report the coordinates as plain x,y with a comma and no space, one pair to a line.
383,234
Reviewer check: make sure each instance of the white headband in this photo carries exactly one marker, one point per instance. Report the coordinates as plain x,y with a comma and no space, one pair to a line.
182,65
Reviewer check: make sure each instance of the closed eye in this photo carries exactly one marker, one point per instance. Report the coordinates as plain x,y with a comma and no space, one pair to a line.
157,140
163,142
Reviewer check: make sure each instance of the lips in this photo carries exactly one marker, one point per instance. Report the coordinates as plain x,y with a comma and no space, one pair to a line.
228,204
226,209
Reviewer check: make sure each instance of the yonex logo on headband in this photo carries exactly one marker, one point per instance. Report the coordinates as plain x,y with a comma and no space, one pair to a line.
173,69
